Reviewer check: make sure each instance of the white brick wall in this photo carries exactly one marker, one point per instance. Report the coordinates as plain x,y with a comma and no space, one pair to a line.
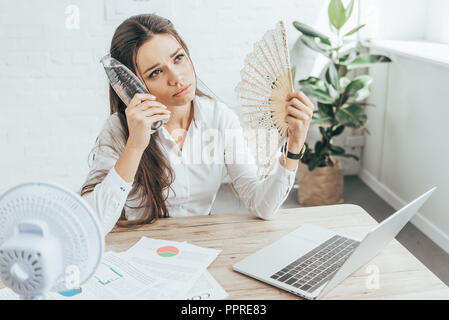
54,90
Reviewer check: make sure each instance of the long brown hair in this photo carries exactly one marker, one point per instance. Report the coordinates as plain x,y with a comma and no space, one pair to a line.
154,174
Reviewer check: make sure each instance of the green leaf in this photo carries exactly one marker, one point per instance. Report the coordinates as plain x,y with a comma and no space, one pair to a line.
342,70
311,32
336,150
319,147
365,60
367,104
307,151
321,95
348,9
313,81
332,76
337,14
354,30
323,131
337,130
307,147
352,115
360,83
344,83
325,109
314,162
347,155
318,119
334,31
348,56
317,46
334,94
316,87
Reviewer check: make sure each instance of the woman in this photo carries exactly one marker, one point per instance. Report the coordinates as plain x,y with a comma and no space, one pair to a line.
133,171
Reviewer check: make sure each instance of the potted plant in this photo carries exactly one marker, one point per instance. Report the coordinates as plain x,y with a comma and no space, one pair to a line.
340,99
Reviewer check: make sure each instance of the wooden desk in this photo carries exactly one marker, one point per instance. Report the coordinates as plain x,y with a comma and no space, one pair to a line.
401,275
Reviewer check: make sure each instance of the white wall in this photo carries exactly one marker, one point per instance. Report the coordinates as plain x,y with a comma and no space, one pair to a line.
394,19
437,27
53,88
406,153
405,19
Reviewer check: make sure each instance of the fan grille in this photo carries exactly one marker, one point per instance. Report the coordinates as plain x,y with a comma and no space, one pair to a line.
27,261
73,227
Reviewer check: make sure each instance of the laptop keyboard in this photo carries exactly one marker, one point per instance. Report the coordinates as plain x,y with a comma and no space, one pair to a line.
313,269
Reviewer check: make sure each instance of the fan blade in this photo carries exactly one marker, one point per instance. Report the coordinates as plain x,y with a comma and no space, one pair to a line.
249,78
245,84
265,82
262,94
256,105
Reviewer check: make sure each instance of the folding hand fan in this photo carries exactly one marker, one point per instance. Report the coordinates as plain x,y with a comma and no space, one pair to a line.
265,83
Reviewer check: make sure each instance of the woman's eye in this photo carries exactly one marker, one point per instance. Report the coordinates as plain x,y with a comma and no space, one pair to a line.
151,75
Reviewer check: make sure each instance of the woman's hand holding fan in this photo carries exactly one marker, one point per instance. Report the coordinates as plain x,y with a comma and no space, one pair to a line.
299,115
269,103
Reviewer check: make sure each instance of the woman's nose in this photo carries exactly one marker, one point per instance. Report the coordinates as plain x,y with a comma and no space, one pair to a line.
175,78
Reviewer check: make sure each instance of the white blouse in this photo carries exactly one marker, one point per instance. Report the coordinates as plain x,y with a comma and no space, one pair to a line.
213,140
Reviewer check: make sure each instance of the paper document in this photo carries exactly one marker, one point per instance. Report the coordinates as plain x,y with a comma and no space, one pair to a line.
151,269
206,288
179,264
115,278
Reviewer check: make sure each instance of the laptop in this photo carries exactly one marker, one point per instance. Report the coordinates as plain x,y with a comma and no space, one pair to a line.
311,260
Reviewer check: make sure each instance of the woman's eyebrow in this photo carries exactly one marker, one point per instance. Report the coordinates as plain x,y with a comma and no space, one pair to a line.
171,56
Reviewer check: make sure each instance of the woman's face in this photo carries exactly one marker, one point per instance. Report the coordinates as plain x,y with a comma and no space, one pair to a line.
165,68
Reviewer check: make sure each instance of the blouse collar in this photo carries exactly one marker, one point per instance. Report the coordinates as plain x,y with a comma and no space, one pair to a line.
196,121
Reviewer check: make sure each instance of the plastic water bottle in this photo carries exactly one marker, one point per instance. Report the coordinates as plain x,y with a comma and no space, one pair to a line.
125,83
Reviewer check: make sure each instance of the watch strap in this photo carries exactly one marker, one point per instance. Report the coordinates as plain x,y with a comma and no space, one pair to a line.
295,156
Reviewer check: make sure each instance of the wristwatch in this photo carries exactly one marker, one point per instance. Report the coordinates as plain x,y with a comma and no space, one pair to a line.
295,156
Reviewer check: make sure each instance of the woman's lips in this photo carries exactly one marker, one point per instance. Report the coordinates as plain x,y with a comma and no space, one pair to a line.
183,91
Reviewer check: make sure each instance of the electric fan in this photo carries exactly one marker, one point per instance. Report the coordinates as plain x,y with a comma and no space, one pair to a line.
50,240
266,81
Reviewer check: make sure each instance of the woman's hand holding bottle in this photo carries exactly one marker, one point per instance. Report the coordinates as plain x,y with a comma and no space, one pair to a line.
143,110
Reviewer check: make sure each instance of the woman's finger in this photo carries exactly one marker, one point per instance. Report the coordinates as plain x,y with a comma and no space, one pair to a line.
301,97
309,107
306,98
301,106
139,97
151,104
158,117
297,114
297,95
156,110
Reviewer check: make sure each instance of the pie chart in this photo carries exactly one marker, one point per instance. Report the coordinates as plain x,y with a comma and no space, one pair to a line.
167,251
